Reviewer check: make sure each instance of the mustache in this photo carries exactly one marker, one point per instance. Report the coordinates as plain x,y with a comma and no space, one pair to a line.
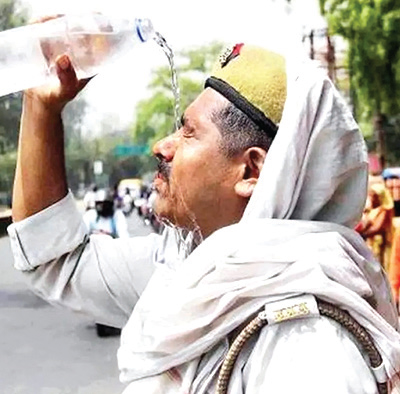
164,169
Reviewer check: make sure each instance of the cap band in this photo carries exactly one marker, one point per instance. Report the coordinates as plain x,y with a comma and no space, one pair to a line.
231,94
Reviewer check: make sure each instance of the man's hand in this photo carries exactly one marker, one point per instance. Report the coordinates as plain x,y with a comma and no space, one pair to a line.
54,97
40,176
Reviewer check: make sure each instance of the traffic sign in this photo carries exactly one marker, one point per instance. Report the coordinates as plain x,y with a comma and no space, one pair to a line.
98,167
131,150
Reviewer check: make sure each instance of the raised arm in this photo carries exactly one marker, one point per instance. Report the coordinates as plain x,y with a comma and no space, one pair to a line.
40,177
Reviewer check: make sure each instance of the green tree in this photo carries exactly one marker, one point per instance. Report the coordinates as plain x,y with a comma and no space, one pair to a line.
155,115
7,168
371,30
78,150
11,15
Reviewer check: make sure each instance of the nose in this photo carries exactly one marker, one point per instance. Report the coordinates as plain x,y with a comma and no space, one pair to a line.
165,148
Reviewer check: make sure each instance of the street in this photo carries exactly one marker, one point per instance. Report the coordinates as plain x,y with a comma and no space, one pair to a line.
47,350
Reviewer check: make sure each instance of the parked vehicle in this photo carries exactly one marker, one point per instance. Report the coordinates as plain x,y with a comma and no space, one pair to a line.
133,184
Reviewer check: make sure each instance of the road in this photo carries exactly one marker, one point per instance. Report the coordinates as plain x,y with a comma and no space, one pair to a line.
46,350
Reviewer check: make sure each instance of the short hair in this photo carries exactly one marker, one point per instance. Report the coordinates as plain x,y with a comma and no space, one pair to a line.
238,131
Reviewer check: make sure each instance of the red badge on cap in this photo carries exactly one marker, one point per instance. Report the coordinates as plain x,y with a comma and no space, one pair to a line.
230,54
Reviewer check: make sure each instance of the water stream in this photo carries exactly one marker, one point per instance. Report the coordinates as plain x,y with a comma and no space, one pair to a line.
160,40
187,238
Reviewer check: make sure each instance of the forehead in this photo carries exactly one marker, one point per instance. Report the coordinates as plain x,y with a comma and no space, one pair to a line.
205,105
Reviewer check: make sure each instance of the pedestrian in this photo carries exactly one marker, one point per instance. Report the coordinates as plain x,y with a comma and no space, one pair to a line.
116,197
394,267
105,218
378,223
127,202
262,185
89,197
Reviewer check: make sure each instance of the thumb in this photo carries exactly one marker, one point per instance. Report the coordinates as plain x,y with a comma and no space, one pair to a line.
70,86
65,72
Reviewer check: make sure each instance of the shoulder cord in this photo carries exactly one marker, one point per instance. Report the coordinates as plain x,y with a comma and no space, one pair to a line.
325,309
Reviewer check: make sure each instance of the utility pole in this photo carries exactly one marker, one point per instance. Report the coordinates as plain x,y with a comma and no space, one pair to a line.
330,58
312,54
381,140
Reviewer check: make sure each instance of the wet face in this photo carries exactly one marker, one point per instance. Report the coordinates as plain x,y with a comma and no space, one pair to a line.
195,182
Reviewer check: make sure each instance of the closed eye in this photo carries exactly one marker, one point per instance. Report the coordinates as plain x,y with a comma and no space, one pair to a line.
187,129
182,122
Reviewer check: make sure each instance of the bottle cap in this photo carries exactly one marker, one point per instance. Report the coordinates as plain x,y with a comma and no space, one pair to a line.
144,29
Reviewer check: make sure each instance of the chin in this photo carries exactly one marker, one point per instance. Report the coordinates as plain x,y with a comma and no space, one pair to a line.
162,208
164,213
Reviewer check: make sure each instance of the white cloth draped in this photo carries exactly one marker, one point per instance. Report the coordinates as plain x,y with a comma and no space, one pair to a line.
315,172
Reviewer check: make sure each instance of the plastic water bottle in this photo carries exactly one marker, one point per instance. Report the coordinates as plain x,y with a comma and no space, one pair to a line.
92,41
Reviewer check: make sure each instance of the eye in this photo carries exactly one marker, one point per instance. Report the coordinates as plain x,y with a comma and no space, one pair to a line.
181,121
187,132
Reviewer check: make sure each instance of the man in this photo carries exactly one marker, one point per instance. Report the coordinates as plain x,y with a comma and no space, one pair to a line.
89,198
106,217
262,185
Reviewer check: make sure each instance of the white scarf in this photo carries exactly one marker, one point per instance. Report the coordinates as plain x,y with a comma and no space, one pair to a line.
315,171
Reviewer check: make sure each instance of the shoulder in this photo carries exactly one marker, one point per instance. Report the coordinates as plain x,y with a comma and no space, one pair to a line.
311,355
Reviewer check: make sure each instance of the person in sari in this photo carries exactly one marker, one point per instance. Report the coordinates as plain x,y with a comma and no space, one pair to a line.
378,226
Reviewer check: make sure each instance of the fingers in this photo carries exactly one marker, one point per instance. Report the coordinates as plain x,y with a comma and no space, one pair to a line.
45,18
65,72
69,84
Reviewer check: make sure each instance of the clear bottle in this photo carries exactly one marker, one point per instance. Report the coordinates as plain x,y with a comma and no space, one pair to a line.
92,41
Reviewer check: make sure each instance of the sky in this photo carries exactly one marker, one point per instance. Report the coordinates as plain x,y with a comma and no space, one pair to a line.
184,24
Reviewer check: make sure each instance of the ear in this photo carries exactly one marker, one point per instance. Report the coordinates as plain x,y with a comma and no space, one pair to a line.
252,162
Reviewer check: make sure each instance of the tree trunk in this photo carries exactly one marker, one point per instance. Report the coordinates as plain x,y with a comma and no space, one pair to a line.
380,138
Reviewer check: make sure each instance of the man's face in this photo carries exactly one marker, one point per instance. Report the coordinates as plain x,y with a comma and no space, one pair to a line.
195,182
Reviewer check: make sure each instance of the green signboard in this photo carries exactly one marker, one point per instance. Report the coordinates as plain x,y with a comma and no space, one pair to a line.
131,150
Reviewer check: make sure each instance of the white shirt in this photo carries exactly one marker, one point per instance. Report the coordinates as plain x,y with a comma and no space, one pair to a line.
188,309
104,280
107,277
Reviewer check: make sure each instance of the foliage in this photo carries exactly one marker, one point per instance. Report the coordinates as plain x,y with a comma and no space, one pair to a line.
7,168
371,29
11,15
155,115
78,152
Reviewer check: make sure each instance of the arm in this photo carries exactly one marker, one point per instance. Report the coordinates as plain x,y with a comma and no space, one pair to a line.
376,226
40,178
103,278
97,275
312,355
48,234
